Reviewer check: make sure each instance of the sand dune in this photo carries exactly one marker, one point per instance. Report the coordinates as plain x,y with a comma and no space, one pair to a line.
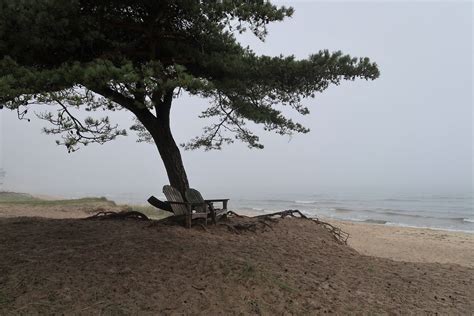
53,262
130,267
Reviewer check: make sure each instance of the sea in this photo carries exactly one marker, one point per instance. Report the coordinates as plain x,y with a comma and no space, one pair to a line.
447,212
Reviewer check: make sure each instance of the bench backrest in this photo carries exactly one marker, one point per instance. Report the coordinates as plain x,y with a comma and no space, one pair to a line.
173,195
193,196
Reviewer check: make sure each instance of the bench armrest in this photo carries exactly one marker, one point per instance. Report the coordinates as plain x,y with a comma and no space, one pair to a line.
224,202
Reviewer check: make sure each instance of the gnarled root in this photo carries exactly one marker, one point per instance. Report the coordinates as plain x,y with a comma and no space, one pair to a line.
238,228
120,215
282,214
338,234
232,213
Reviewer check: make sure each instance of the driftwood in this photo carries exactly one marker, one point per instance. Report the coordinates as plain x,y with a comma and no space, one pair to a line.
120,215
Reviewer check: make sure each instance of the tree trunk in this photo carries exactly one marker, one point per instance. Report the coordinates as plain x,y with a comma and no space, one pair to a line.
159,128
171,156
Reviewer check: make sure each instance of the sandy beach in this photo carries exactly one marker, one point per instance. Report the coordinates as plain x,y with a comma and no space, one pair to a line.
406,243
287,266
393,242
53,262
410,244
347,188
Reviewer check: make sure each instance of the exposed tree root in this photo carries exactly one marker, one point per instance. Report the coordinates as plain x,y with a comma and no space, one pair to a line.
203,227
265,224
283,214
239,227
233,214
119,215
262,222
175,220
338,234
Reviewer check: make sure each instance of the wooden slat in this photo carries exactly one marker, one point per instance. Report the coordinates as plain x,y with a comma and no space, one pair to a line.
160,204
193,196
173,195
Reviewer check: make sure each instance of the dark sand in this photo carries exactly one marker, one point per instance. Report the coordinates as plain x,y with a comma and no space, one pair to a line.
75,266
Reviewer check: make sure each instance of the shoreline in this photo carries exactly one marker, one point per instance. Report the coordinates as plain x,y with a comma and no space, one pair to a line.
407,244
368,222
410,244
256,212
399,243
390,224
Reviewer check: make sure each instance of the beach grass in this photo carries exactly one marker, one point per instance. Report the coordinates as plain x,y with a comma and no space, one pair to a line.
23,198
13,197
150,211
95,204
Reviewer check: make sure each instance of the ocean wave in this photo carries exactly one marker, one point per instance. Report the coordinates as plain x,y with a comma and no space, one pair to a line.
402,213
449,197
259,209
342,210
304,202
274,201
394,213
401,200
375,221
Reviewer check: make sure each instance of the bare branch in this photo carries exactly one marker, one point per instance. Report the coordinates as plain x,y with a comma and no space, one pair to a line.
213,136
75,132
21,114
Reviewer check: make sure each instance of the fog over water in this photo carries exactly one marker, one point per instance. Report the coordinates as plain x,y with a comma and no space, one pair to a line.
407,133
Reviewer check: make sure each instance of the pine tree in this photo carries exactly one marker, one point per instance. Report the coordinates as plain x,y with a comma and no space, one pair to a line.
137,56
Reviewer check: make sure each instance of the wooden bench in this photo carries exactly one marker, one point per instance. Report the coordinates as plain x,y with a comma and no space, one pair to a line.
194,196
193,207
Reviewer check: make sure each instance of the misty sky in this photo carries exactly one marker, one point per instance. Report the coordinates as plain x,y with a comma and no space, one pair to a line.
410,131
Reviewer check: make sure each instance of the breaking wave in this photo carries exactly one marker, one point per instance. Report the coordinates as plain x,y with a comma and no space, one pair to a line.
304,202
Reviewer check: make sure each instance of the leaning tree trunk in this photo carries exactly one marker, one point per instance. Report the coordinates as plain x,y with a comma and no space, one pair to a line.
159,128
171,157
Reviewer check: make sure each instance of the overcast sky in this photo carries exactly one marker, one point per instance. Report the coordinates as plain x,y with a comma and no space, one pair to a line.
410,131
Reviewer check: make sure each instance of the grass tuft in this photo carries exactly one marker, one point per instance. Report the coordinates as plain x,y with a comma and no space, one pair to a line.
27,199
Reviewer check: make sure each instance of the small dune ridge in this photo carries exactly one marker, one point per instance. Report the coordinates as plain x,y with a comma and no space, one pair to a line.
290,266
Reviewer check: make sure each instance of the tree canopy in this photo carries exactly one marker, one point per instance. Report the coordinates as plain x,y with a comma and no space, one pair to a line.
138,55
